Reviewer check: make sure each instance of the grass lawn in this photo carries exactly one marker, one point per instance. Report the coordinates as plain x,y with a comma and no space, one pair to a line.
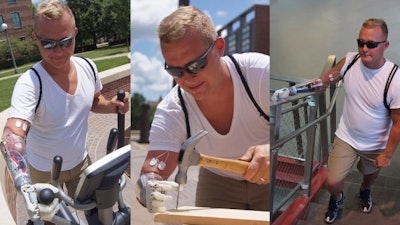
6,87
105,51
106,64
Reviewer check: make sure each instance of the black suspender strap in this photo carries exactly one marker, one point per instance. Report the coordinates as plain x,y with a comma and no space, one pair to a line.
94,74
246,86
40,88
389,80
185,112
356,57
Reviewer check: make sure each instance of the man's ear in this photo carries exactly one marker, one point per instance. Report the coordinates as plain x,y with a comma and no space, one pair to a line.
220,45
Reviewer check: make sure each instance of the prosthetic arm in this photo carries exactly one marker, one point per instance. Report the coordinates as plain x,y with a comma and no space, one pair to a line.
309,86
151,191
317,84
13,148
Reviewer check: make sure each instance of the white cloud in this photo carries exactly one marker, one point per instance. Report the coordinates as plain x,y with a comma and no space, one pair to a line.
222,13
149,77
146,15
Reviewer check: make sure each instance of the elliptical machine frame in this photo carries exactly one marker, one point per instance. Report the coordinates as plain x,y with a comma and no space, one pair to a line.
100,185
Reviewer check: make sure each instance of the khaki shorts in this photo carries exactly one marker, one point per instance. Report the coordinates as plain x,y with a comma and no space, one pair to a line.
343,156
221,192
68,177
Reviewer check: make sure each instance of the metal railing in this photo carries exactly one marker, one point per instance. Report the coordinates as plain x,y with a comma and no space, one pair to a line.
300,139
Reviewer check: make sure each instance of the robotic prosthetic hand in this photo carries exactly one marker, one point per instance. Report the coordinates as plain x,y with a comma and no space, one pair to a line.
13,148
152,191
310,86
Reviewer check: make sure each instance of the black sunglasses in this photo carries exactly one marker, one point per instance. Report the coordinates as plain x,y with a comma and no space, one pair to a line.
370,44
193,67
51,44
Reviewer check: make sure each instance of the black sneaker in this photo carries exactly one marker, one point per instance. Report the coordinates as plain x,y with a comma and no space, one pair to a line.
366,201
333,209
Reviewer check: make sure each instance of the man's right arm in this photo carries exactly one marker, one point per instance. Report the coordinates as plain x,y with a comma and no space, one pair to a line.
16,126
318,84
168,157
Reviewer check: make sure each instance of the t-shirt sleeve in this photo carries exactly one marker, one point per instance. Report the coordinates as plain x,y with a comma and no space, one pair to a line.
25,97
168,129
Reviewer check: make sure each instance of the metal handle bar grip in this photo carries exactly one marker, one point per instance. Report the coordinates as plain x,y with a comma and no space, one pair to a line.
112,139
121,121
56,170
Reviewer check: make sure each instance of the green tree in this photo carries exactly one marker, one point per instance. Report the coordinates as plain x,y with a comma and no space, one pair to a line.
100,18
85,19
116,19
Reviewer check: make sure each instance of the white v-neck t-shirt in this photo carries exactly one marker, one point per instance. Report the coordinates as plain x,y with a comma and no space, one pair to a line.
60,125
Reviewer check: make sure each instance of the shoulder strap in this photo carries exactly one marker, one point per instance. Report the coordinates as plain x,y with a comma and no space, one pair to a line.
185,112
246,86
40,88
389,80
356,57
91,67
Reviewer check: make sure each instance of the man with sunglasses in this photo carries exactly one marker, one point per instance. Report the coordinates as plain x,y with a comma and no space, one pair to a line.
59,125
368,131
210,94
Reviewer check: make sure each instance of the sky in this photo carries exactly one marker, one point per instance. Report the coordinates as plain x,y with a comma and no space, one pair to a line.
148,76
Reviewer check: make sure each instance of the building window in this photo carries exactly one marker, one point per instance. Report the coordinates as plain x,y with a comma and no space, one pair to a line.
246,38
16,20
1,22
231,43
12,1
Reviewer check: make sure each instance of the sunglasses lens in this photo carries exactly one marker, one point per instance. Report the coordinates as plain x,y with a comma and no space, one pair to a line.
66,42
360,43
47,44
371,44
197,66
175,72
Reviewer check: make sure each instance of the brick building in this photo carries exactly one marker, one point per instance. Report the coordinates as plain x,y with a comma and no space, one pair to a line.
18,15
248,32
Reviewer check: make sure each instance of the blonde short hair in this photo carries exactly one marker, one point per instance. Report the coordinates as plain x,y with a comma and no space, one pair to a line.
376,22
53,10
173,27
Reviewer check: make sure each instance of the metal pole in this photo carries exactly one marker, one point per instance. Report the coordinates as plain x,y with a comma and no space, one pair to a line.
184,3
11,51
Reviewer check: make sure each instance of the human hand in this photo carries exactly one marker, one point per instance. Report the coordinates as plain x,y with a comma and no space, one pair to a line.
47,210
383,160
259,158
280,94
156,196
122,106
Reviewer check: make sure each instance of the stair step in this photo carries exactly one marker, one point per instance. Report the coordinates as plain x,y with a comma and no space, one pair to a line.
385,197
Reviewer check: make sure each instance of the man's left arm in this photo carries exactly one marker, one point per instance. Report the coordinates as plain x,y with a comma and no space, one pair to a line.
102,105
385,158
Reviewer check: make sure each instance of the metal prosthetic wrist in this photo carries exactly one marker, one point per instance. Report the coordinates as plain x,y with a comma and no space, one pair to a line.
140,188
